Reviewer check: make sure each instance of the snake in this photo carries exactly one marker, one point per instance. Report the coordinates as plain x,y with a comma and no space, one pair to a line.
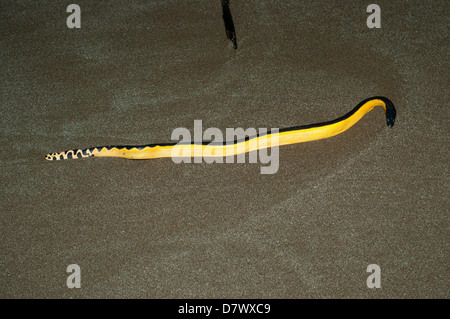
268,139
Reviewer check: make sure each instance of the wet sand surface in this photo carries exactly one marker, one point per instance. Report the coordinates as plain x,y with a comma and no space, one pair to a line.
155,229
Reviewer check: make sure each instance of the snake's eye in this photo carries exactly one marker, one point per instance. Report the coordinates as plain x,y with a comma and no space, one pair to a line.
390,122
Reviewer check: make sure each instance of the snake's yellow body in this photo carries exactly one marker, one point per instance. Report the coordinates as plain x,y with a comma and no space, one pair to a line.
293,135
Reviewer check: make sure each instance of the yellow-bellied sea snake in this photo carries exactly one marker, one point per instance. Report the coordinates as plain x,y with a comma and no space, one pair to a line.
285,136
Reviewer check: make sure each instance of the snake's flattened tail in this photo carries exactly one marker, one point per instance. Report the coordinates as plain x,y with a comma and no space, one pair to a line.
70,154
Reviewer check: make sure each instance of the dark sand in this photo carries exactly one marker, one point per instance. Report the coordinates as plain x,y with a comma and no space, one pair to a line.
157,229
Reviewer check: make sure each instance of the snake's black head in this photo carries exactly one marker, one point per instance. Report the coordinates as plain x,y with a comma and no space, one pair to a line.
391,113
390,120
